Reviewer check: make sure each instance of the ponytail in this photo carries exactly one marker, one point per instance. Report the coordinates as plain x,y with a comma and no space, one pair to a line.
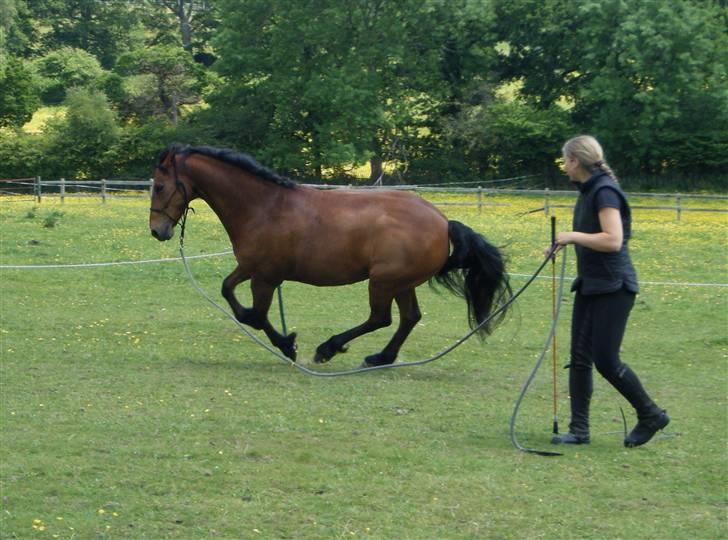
604,167
587,150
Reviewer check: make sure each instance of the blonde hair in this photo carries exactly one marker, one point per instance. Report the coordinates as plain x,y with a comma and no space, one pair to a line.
588,152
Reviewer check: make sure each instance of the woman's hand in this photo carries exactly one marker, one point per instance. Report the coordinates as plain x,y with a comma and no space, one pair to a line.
551,251
608,240
565,238
562,239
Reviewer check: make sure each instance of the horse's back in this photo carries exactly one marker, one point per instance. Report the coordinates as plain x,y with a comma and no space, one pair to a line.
382,234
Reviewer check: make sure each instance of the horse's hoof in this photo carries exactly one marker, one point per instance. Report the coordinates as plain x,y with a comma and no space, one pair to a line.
326,352
379,359
288,346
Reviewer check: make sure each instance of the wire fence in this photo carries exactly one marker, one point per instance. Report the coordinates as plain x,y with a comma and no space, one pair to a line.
229,253
26,189
35,189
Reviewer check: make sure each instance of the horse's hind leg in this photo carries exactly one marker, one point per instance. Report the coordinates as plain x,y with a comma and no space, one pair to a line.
409,316
380,303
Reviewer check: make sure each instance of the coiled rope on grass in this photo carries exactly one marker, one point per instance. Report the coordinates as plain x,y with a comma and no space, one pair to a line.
359,370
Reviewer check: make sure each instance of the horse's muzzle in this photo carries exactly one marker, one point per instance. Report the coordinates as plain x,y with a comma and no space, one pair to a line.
163,233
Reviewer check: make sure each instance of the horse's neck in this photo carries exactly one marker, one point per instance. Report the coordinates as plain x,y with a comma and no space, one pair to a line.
233,195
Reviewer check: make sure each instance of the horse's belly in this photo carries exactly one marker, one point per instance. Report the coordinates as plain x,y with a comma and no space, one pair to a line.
329,276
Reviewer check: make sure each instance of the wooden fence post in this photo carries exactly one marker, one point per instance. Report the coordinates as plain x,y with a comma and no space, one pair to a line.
63,190
103,190
480,199
151,187
37,188
679,207
546,202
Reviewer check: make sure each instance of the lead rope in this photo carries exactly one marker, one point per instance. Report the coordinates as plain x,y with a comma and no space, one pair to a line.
315,373
532,375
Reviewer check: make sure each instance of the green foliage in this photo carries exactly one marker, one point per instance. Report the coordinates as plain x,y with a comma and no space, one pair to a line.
326,84
524,133
318,89
20,154
102,29
80,142
167,78
18,94
134,154
309,117
644,76
651,102
539,47
14,28
66,68
51,220
7,16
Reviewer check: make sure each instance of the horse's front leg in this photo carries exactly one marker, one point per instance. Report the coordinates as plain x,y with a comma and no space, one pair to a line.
380,315
257,316
262,297
242,314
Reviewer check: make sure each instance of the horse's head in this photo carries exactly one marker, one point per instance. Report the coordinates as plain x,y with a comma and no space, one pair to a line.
170,195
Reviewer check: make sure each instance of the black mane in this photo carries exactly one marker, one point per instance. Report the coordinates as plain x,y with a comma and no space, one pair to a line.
242,161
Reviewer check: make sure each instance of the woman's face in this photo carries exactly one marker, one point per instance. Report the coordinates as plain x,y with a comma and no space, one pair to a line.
574,170
570,166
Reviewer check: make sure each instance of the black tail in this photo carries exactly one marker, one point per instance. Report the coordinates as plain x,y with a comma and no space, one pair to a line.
476,271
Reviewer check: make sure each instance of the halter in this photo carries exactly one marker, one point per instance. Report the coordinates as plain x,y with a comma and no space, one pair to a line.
179,187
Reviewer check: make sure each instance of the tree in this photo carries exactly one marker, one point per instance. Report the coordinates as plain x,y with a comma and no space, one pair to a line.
8,13
539,47
15,30
169,79
659,98
103,29
292,73
18,93
67,68
511,137
192,17
80,144
647,77
332,83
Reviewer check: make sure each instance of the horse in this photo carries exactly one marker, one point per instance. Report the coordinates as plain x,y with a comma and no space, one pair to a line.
281,230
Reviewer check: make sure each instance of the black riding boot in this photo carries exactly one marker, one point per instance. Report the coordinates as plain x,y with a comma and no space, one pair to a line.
628,384
580,390
650,418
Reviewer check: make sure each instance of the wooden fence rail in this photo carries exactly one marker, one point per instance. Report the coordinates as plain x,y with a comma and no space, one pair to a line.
107,188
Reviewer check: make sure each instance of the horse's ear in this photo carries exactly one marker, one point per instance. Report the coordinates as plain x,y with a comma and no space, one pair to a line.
165,155
162,156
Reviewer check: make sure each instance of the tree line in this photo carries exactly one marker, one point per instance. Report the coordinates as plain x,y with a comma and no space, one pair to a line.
418,91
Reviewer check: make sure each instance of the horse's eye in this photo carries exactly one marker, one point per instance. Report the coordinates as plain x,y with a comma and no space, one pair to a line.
158,188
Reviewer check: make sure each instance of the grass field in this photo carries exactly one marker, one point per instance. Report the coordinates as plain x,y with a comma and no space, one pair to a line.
129,408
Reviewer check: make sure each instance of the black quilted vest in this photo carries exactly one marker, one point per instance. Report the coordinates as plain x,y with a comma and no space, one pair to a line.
599,272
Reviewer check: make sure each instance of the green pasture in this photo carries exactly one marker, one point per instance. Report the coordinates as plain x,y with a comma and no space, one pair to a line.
130,408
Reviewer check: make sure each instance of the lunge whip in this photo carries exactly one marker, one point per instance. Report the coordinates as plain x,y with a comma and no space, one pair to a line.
553,316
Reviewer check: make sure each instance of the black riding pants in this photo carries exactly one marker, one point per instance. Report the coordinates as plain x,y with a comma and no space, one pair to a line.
597,328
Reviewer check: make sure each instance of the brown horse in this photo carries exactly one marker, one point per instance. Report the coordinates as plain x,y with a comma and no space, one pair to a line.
281,230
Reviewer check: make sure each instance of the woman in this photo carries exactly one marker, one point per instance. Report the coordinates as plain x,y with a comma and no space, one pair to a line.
605,287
